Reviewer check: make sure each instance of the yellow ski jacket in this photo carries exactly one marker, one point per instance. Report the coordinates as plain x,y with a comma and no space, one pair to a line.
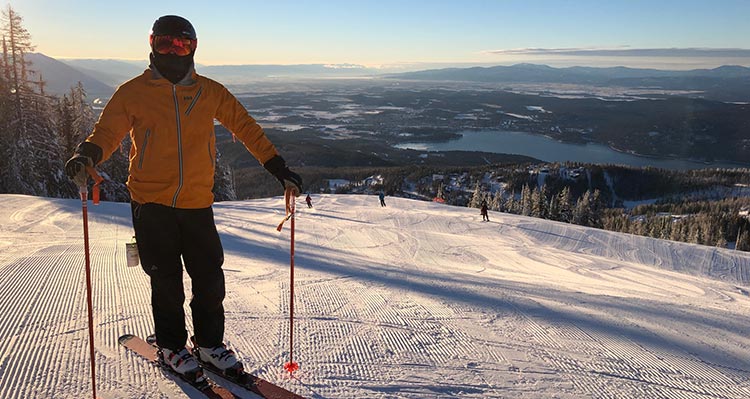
173,151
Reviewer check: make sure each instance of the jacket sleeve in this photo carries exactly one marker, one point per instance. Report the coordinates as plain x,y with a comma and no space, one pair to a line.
112,126
233,115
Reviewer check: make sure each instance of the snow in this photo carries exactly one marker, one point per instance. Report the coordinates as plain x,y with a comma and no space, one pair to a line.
413,300
519,116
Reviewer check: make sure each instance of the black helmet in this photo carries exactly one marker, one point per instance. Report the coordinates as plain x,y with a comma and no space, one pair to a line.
175,26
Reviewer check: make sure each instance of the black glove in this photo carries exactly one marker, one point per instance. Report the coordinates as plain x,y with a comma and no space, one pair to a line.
288,179
86,154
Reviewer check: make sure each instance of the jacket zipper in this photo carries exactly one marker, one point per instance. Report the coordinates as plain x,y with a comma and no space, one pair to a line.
179,144
143,149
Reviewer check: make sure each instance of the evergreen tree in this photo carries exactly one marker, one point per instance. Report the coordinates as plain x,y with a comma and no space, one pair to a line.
29,146
536,201
721,242
526,200
224,189
565,205
582,210
677,233
595,209
476,197
497,203
511,205
75,119
696,234
543,205
554,208
743,242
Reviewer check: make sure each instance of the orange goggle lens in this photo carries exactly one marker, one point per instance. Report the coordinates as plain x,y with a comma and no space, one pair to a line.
166,44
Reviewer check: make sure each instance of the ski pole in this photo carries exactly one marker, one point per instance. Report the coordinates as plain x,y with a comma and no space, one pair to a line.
89,304
289,198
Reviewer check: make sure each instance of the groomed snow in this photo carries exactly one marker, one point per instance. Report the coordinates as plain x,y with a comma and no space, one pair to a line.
415,300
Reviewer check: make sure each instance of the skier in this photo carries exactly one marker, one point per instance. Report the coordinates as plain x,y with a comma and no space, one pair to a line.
483,211
309,201
169,112
382,198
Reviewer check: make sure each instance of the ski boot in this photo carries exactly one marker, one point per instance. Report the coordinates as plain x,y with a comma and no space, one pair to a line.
184,364
220,358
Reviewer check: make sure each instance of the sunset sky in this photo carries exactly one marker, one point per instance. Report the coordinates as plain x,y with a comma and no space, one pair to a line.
677,34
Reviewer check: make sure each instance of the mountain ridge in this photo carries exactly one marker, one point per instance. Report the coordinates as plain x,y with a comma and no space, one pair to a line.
100,76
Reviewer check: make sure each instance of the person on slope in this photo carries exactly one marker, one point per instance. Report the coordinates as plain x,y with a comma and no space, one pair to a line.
169,112
483,212
382,198
309,201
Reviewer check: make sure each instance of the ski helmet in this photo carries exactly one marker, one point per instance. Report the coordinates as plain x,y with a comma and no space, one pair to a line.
173,66
174,26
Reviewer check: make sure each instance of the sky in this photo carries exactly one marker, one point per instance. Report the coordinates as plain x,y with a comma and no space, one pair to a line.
415,300
676,34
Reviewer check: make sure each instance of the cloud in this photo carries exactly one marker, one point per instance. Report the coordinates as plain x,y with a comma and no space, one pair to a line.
628,52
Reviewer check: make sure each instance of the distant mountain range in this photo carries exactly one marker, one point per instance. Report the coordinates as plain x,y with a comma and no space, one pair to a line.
577,75
725,83
60,77
100,77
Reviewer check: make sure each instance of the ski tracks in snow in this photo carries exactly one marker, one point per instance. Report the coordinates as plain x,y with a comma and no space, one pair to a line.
414,300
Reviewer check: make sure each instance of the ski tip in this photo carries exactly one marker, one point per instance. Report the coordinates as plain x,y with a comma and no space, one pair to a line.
125,338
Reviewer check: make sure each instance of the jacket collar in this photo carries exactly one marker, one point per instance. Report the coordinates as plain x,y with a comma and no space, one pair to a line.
190,78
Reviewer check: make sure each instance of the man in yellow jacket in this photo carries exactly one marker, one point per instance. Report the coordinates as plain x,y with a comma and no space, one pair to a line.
169,112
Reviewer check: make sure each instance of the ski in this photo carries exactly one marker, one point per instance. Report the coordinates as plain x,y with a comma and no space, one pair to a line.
149,352
247,381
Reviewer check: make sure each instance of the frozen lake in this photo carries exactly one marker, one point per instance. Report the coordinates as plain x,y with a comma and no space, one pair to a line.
550,150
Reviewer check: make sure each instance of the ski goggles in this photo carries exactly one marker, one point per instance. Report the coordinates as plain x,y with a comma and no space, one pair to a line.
165,44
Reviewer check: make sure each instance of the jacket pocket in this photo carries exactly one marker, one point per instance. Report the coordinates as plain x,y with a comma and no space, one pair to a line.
142,153
195,100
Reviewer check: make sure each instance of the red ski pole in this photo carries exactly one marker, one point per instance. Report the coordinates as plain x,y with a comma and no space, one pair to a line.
289,197
89,303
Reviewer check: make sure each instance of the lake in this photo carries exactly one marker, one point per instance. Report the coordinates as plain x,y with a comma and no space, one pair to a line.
549,150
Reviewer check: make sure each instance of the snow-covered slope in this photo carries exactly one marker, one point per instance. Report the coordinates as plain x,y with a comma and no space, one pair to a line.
414,300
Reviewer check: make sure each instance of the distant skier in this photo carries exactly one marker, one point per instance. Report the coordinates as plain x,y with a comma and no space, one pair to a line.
382,198
169,112
483,211
309,201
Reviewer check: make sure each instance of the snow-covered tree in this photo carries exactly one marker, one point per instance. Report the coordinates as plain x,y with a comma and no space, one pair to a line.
75,119
224,189
526,200
582,210
476,197
554,208
29,147
511,205
497,203
565,204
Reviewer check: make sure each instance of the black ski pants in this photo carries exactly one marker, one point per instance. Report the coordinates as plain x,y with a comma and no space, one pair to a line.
166,237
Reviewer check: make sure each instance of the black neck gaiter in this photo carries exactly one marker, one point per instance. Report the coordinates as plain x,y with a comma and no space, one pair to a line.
171,66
